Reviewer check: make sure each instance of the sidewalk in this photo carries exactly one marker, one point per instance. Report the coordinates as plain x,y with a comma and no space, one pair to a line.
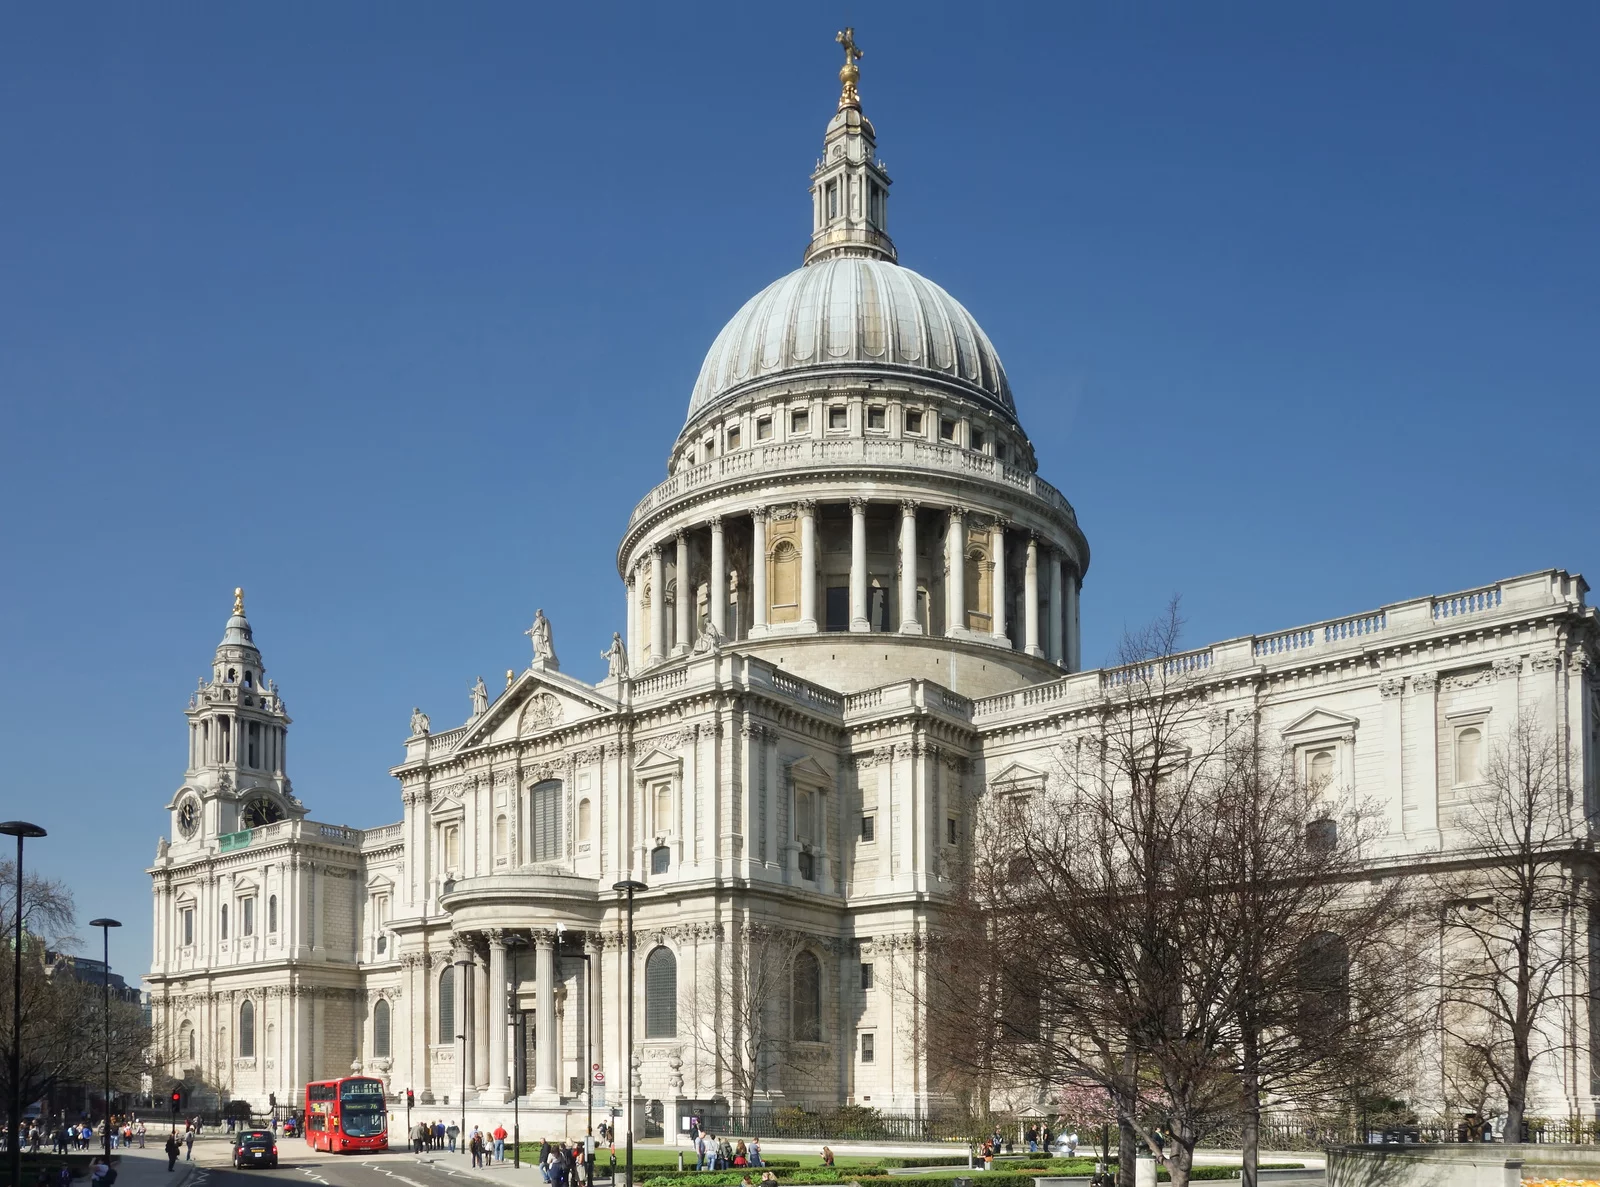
148,1167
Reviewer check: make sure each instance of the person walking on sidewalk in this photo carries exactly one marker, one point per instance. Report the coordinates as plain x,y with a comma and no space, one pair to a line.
172,1151
188,1145
451,1133
499,1143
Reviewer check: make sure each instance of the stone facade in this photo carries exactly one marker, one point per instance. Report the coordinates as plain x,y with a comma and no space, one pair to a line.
852,612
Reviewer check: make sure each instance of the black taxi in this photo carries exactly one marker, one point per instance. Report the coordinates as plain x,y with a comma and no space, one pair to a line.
255,1147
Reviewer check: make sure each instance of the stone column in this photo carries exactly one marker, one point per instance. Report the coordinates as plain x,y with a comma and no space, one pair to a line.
808,565
635,659
1030,598
955,548
544,971
658,605
1070,646
858,566
497,1017
719,578
481,1026
908,569
758,571
684,600
1054,563
997,550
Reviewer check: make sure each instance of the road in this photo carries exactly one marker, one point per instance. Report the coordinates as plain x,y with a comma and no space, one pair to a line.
300,1166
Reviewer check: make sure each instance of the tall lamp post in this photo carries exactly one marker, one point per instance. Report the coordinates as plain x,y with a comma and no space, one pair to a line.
19,829
105,926
461,1021
519,1045
630,887
588,1038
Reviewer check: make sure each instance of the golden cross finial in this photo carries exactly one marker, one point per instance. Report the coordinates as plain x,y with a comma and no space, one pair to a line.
848,39
238,600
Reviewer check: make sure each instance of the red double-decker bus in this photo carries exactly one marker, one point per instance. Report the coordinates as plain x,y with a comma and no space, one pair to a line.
347,1116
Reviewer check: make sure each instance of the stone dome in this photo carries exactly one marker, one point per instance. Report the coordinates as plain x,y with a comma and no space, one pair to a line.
852,316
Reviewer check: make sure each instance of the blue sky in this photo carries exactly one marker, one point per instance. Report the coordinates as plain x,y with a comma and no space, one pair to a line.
390,313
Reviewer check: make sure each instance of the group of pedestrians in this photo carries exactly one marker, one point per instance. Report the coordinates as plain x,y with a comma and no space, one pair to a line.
433,1136
568,1164
712,1154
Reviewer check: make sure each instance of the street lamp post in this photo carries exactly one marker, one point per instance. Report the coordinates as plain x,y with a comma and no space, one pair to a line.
630,887
105,926
588,1043
19,829
519,1045
460,1020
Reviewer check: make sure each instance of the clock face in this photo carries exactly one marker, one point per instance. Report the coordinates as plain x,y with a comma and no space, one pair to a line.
188,817
262,810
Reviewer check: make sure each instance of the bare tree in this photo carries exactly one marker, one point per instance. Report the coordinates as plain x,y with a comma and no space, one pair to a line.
62,1018
1175,917
1508,916
740,1016
1324,991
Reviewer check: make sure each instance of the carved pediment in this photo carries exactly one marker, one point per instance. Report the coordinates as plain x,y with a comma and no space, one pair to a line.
536,702
1018,776
1322,723
446,808
657,760
809,770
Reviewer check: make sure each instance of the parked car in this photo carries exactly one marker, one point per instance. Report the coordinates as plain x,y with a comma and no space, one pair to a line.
255,1147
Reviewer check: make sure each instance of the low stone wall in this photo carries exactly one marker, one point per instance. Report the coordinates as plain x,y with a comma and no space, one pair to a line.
1465,1164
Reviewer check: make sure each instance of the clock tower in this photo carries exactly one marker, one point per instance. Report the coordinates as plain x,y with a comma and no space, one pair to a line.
238,729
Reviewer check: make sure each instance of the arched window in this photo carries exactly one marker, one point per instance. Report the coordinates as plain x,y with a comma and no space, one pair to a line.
585,811
807,997
186,1038
501,836
447,1007
272,913
452,846
1319,768
1322,836
545,821
785,583
661,994
660,859
661,808
380,1029
247,1029
1469,755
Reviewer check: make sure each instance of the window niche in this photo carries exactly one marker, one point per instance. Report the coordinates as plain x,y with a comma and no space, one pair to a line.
1323,744
809,785
1469,749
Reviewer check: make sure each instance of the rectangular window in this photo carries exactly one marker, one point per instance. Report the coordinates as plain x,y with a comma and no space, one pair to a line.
838,417
866,1047
950,830
875,418
833,200
247,917
947,429
547,822
188,926
914,421
808,867
977,440
733,436
222,926
710,449
764,429
837,608
866,975
799,420
450,843
254,744
868,825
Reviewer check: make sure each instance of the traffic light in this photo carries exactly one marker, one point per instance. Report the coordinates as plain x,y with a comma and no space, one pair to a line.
177,1101
410,1098
272,1100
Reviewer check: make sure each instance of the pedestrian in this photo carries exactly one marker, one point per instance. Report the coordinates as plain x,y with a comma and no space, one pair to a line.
500,1142
741,1155
451,1133
700,1152
475,1147
827,1156
755,1152
188,1145
172,1150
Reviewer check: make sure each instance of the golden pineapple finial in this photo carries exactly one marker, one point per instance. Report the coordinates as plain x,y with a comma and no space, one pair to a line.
238,600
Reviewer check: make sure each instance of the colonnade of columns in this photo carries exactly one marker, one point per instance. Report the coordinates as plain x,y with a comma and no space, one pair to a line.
1048,604
491,1012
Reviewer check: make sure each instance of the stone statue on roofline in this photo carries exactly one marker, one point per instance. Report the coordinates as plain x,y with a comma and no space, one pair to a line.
544,648
419,722
616,657
480,698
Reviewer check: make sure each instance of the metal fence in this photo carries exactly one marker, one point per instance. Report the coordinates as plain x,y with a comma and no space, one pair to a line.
852,1123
